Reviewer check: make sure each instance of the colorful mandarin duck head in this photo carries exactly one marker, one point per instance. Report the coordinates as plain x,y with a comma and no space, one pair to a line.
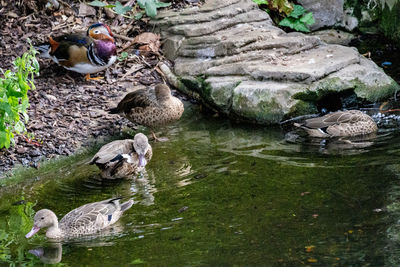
100,31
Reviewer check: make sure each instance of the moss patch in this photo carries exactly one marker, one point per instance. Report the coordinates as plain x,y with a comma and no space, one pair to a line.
302,108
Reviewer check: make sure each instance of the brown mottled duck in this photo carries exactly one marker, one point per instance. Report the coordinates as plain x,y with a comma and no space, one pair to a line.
151,108
123,158
339,124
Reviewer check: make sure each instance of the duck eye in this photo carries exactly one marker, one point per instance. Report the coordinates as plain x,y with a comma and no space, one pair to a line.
96,31
42,218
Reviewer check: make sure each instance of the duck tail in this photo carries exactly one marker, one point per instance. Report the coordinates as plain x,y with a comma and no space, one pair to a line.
113,110
44,50
126,205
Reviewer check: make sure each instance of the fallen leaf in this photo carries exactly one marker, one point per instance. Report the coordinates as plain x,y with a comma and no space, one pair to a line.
149,42
309,248
312,260
146,38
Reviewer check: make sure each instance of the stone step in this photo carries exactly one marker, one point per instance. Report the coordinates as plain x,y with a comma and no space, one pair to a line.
209,6
205,28
249,42
193,18
308,66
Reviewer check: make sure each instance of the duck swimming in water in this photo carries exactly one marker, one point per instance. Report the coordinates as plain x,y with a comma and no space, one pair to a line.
85,220
122,158
339,124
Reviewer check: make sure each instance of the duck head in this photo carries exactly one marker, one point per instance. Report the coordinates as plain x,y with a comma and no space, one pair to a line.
141,146
43,219
100,31
162,91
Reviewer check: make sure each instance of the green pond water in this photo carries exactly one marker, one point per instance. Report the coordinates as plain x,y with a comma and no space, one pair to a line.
224,194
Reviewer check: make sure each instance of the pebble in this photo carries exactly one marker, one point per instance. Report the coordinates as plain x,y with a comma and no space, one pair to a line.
35,153
21,150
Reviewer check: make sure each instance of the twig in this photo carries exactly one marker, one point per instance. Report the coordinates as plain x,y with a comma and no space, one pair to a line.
64,3
123,37
390,110
132,70
30,141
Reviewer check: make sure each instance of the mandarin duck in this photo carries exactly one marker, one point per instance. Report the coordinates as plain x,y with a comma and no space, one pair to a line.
339,124
85,220
151,108
122,158
84,53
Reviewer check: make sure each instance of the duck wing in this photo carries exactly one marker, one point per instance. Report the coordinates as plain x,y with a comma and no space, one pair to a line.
65,46
112,150
142,98
334,118
91,217
66,50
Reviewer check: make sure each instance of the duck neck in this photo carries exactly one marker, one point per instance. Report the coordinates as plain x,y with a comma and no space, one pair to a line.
105,49
53,231
161,98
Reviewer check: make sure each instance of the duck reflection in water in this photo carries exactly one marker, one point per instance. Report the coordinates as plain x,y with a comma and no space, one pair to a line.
332,145
144,184
50,254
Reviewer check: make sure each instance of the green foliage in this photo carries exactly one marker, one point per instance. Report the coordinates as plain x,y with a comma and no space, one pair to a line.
14,100
281,6
123,56
18,223
287,14
149,6
298,19
118,8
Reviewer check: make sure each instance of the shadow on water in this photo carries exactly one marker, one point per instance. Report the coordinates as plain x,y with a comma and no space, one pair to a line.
219,193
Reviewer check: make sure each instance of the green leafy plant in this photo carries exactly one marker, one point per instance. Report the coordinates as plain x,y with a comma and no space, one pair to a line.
123,56
16,224
298,19
287,14
281,6
14,100
149,7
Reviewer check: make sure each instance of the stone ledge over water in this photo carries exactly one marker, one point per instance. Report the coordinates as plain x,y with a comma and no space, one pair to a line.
230,54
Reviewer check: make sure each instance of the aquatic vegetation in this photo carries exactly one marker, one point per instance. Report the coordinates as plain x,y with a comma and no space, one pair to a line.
18,221
14,100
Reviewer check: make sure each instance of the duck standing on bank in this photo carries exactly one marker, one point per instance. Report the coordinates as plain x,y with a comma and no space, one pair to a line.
85,220
122,158
151,108
339,124
84,53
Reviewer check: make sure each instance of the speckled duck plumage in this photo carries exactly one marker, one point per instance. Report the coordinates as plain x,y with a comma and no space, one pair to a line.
123,158
151,108
85,220
339,124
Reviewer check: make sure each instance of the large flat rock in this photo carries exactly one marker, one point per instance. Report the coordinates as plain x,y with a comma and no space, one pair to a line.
231,55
